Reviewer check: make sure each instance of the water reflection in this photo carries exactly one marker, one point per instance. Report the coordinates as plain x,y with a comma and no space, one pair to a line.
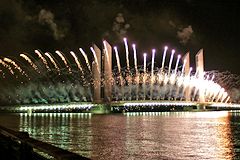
156,135
181,135
235,128
65,130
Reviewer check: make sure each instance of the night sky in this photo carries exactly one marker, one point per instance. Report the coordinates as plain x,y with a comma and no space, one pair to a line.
67,25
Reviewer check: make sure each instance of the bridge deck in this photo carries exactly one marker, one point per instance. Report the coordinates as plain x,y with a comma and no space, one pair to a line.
87,106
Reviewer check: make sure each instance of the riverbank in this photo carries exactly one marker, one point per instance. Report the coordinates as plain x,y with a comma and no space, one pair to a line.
18,145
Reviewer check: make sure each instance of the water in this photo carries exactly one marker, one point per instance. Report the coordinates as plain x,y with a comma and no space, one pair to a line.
166,135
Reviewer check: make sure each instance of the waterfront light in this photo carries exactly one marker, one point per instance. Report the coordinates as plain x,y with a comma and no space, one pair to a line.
54,107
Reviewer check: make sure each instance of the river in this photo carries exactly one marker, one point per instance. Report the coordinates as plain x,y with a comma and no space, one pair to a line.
143,135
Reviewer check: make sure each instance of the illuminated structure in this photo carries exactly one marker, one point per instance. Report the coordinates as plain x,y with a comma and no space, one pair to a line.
186,60
107,72
107,61
170,79
200,73
96,68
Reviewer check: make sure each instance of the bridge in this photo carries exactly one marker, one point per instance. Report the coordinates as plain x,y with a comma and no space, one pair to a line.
122,106
137,87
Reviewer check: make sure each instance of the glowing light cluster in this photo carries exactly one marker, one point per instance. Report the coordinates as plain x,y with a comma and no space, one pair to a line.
159,104
64,115
54,107
225,105
187,81
169,81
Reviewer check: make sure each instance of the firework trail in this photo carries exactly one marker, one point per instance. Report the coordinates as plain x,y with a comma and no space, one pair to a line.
34,66
7,66
127,53
77,61
43,59
53,62
86,58
64,61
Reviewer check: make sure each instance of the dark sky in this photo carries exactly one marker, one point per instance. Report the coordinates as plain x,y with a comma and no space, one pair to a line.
69,24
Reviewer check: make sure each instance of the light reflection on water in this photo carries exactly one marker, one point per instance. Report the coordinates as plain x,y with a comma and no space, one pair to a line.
153,135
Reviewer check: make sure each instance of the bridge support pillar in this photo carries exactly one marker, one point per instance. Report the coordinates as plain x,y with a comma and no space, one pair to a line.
186,59
96,69
200,73
107,54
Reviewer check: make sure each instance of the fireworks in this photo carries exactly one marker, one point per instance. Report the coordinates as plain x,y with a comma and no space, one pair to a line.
76,61
159,82
53,62
64,61
86,58
43,59
34,66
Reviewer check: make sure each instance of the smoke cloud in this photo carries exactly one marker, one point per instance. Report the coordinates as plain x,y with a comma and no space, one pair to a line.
119,27
47,17
184,35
